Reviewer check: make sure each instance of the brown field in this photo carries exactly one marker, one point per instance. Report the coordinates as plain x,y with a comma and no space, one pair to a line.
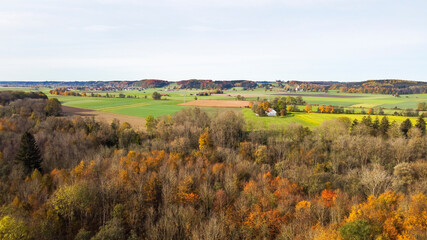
217,103
136,122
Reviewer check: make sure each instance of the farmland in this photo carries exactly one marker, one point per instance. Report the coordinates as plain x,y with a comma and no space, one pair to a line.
144,105
217,103
135,122
141,104
306,119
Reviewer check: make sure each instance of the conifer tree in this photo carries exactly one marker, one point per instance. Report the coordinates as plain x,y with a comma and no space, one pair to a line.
29,153
421,124
375,127
384,126
367,121
405,126
354,124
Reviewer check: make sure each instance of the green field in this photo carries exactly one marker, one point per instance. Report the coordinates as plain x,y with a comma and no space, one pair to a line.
128,106
143,104
147,106
178,96
306,119
140,106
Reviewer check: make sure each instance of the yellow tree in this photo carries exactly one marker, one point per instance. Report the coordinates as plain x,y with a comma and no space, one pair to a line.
205,140
12,229
265,105
388,217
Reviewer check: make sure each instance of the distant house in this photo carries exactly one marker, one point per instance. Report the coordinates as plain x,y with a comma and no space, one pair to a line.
271,112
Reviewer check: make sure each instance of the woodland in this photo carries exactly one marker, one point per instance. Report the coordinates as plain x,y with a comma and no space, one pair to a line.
196,176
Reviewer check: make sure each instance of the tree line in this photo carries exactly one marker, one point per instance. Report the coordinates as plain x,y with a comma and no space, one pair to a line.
9,96
391,87
281,105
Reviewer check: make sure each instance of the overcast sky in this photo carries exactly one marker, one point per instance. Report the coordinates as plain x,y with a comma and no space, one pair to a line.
344,40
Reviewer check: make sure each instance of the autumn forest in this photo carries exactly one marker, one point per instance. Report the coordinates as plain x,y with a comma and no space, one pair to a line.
193,175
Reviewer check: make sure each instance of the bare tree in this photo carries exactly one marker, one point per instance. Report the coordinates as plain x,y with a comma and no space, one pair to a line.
376,180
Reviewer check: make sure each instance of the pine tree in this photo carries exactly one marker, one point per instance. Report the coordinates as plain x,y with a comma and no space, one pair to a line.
367,121
405,126
29,153
354,124
384,126
421,124
375,127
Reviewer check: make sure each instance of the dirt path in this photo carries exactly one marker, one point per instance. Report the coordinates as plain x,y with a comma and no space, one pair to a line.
136,122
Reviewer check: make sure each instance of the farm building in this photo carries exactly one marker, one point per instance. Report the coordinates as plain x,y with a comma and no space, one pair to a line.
271,112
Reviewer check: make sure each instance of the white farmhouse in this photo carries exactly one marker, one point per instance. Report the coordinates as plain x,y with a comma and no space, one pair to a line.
271,112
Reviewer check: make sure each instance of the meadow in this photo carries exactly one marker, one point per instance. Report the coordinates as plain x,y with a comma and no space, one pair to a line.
141,104
306,119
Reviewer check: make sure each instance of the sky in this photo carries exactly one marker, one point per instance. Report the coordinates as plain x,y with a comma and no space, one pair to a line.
263,40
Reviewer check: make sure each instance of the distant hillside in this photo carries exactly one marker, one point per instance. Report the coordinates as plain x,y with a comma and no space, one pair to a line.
386,86
311,86
151,83
210,84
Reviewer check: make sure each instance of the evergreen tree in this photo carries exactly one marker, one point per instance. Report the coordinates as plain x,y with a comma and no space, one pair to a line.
354,124
384,126
375,127
405,126
421,124
29,153
367,121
